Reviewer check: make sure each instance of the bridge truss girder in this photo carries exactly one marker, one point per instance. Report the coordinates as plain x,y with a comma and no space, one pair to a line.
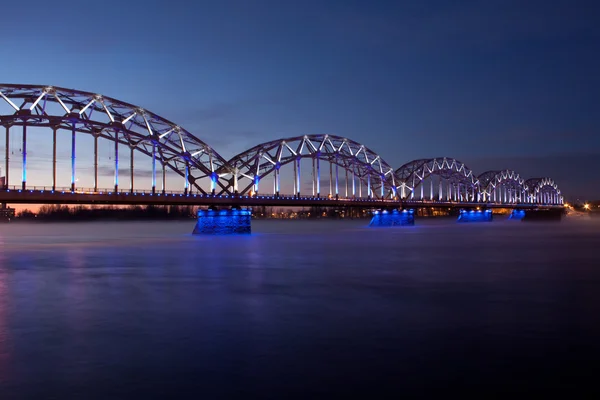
104,117
503,186
544,191
251,166
174,148
459,181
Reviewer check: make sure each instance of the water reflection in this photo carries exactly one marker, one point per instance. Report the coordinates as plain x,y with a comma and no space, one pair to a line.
4,326
121,310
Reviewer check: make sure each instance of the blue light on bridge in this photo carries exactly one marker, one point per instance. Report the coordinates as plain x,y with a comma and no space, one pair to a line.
393,218
220,222
475,215
517,215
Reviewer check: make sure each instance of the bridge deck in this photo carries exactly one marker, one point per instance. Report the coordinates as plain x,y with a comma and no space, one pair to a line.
36,196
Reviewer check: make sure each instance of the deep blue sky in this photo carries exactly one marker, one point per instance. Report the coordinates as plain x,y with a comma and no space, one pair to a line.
496,84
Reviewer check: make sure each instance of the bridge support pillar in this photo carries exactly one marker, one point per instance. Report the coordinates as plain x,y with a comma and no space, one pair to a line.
393,217
223,222
517,215
475,215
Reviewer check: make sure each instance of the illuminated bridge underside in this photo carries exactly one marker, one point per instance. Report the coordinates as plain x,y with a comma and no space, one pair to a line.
351,173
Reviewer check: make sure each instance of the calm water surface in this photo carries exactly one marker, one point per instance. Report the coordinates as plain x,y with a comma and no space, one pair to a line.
299,309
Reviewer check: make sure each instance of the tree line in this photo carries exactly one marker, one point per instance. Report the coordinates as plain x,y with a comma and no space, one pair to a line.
90,213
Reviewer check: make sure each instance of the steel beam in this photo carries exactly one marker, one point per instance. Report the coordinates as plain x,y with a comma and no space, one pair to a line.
73,157
24,150
7,157
54,129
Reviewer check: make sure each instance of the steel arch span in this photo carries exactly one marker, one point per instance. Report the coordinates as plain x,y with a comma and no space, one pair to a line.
452,180
350,170
504,186
104,117
543,191
361,167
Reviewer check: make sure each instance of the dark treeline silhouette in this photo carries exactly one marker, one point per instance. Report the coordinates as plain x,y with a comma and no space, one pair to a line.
132,213
312,212
86,213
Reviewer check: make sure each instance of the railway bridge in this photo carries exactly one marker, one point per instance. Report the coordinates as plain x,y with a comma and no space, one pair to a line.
65,146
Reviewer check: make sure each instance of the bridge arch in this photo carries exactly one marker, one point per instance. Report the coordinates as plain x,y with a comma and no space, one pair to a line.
168,144
452,180
361,167
544,191
503,186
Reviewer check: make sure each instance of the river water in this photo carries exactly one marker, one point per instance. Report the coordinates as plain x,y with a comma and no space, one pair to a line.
301,309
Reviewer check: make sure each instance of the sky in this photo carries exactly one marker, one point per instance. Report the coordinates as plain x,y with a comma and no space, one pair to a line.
495,84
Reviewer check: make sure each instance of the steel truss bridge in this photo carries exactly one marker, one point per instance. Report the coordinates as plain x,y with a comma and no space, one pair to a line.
315,169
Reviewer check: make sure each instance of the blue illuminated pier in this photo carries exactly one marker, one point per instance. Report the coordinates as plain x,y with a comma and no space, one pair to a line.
223,222
475,215
517,215
393,217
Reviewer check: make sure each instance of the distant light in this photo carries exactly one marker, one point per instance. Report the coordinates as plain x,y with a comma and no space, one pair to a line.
586,206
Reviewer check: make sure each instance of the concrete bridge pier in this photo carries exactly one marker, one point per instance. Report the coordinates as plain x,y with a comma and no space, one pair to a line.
226,221
475,215
393,217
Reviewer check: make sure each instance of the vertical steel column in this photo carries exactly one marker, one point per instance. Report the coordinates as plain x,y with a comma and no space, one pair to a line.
24,183
360,188
164,178
330,180
278,179
7,157
95,163
116,160
73,157
337,181
431,189
213,182
441,191
318,177
153,167
54,158
131,170
298,177
313,177
187,187
235,181
295,175
346,182
353,183
369,185
422,190
383,188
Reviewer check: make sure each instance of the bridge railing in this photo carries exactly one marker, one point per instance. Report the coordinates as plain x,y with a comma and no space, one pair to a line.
111,191
266,196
